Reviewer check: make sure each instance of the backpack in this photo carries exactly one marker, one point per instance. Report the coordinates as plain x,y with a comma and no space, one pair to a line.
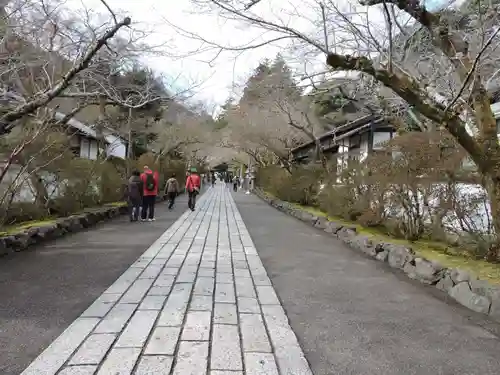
196,190
150,182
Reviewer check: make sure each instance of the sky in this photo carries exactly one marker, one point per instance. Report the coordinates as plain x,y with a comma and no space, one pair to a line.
167,21
212,83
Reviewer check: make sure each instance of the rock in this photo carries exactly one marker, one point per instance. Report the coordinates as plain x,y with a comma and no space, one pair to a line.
379,246
347,236
399,255
346,232
363,244
47,231
483,288
4,250
304,216
332,227
63,225
321,223
410,270
445,283
427,272
21,241
93,217
33,233
382,256
74,224
495,305
458,275
463,294
313,220
83,221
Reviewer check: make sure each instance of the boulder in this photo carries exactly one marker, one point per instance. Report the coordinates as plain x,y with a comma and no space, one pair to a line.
483,288
47,231
346,232
21,241
346,235
93,217
445,283
332,227
399,255
458,275
321,223
74,224
4,250
495,305
427,272
364,244
63,226
410,270
33,233
382,255
463,294
304,216
84,221
312,220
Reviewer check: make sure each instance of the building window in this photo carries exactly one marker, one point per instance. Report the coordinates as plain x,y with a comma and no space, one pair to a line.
85,148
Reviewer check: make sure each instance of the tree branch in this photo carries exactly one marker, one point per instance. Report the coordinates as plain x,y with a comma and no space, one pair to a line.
63,84
412,93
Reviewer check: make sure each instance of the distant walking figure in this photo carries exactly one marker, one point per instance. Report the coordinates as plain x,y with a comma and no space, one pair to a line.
171,190
236,183
150,191
193,184
134,192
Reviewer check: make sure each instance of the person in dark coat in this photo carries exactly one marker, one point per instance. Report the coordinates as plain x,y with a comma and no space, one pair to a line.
135,195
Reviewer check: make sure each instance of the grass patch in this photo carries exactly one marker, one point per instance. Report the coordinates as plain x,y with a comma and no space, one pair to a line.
446,255
116,204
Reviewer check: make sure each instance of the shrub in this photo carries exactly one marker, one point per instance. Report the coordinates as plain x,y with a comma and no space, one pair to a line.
301,186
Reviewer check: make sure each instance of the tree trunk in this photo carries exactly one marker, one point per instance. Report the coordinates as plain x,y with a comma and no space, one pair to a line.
42,196
493,189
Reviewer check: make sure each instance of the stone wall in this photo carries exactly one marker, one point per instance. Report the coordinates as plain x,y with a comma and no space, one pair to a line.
477,295
60,227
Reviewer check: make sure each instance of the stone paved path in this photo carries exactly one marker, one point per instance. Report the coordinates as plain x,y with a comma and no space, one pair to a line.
198,301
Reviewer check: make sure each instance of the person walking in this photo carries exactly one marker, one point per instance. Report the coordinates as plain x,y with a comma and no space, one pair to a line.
135,193
192,187
172,190
150,191
235,183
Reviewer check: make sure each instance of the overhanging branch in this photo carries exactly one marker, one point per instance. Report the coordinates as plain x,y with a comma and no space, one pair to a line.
411,92
47,96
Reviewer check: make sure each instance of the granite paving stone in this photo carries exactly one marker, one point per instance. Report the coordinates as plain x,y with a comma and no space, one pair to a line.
198,301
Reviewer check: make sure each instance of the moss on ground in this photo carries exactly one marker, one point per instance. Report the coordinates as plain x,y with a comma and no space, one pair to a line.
446,255
117,204
18,228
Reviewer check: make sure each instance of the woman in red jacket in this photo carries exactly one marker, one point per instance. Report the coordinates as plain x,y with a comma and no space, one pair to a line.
150,181
193,183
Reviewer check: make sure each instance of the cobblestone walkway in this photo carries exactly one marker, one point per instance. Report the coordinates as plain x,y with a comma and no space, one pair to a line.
198,301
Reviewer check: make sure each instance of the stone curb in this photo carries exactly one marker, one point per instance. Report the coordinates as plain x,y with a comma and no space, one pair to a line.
477,295
60,227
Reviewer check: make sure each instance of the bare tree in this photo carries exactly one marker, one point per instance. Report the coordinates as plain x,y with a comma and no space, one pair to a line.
397,43
41,58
